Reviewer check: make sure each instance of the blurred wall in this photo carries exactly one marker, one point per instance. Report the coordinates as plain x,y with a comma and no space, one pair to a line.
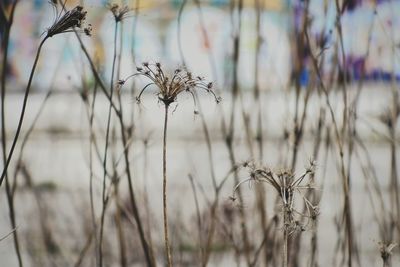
150,33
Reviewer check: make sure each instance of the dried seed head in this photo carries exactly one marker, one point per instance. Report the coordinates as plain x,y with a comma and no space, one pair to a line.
119,12
311,167
386,249
88,30
287,186
171,86
67,22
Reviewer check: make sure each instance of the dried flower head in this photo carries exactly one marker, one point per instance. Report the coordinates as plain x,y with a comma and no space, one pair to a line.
171,86
119,12
286,184
68,21
388,114
386,249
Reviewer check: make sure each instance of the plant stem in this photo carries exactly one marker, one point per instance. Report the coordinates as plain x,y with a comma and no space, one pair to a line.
21,118
198,217
91,174
125,134
104,197
285,241
9,191
166,238
147,249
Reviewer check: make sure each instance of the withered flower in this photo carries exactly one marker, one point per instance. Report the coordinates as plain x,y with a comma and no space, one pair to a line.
66,23
386,250
63,23
171,86
286,184
119,12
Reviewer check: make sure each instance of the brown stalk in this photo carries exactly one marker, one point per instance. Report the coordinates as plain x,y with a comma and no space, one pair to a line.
10,193
228,130
347,214
213,207
394,115
299,66
147,248
165,211
105,198
150,261
198,217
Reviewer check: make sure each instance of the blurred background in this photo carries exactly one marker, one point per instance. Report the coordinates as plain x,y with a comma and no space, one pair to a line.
291,74
151,31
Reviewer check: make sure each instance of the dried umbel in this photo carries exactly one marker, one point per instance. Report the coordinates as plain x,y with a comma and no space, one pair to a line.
389,114
170,87
119,12
386,250
286,184
68,21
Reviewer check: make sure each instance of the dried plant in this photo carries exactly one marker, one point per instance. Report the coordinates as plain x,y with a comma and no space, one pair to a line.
68,21
386,252
119,12
168,90
10,187
170,87
63,24
286,185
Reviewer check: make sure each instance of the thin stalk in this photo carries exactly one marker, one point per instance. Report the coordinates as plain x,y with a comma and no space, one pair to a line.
95,72
258,137
228,130
9,191
92,210
145,190
165,211
135,22
22,115
347,211
10,201
198,217
118,209
104,197
119,225
213,209
85,249
392,130
285,248
148,252
147,248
